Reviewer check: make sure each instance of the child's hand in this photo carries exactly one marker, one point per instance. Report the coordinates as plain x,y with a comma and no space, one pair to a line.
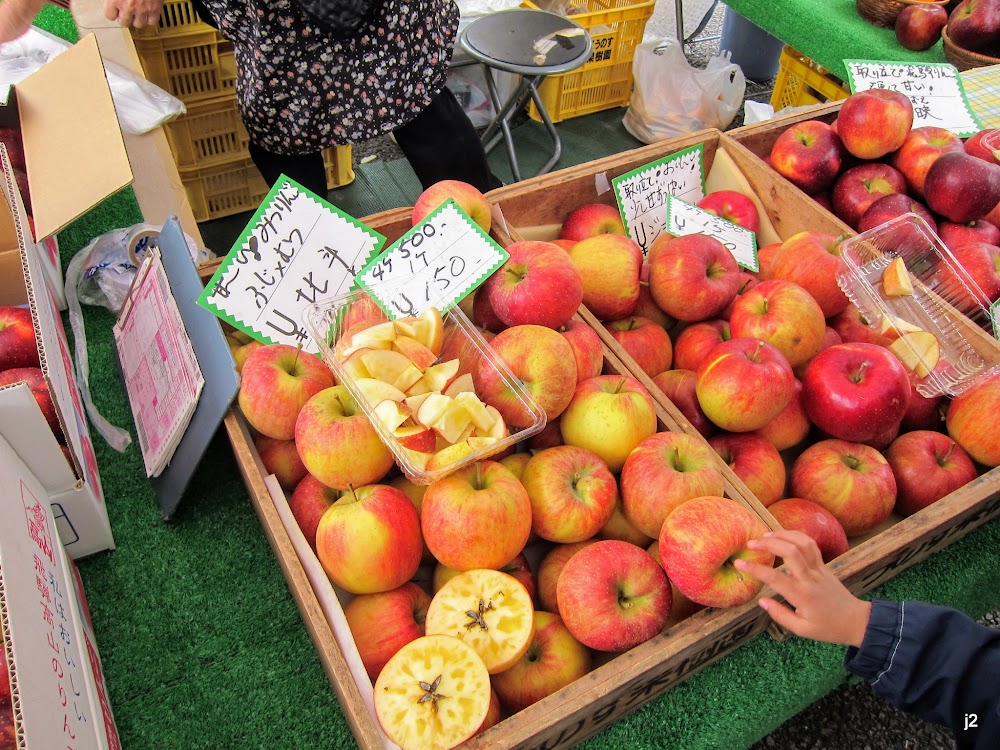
16,17
823,608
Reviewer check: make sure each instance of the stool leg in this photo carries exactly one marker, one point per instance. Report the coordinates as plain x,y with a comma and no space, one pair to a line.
543,113
502,119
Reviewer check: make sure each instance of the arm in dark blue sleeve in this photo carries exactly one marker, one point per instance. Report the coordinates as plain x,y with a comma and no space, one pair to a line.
936,663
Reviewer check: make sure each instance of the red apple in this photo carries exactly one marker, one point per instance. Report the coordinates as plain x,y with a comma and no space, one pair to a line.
918,26
693,277
645,341
748,281
755,461
588,351
538,284
971,420
646,306
383,623
468,197
518,568
927,465
921,148
281,458
308,503
610,266
874,123
732,206
852,326
695,341
483,313
855,391
790,427
924,412
784,315
590,220
39,386
889,207
613,596
974,24
975,146
549,569
808,154
961,187
812,519
765,259
859,187
17,338
812,259
621,529
679,387
852,481
955,235
982,263
549,436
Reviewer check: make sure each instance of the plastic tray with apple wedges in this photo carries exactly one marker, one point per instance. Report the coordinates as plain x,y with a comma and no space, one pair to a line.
899,543
616,686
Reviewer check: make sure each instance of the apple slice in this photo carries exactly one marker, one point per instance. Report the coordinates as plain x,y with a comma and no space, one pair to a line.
377,336
416,437
454,422
918,351
414,402
392,367
489,610
498,429
430,329
354,365
460,384
406,326
420,459
417,353
435,378
896,279
481,416
392,414
449,455
892,327
434,693
433,406
376,391
481,443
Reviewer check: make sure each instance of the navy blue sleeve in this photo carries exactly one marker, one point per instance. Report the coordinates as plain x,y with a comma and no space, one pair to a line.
937,664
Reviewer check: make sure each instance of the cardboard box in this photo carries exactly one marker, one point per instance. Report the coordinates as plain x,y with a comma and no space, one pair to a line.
73,148
59,695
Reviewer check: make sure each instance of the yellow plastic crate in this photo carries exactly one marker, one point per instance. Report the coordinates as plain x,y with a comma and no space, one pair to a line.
801,82
209,133
338,161
605,81
177,17
193,66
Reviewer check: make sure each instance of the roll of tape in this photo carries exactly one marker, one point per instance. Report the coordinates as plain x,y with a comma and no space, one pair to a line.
139,241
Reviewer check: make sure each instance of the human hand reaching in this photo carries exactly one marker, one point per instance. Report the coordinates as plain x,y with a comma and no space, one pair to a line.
136,13
16,17
821,606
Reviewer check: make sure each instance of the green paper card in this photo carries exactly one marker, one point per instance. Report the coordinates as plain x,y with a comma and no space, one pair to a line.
296,249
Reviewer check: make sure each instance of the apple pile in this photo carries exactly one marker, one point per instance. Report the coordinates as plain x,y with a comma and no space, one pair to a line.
19,362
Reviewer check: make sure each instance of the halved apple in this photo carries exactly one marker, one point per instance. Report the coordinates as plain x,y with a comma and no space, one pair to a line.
391,414
448,456
392,367
376,391
460,384
416,437
435,378
918,351
433,406
455,421
896,279
418,354
893,327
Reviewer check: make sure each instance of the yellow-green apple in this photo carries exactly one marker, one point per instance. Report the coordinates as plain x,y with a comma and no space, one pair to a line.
927,465
961,187
308,502
859,187
808,154
733,206
281,458
679,387
855,391
874,123
588,351
572,493
695,341
476,517
553,660
609,415
981,263
918,26
853,327
276,381
383,623
700,541
549,569
889,207
747,282
812,519
812,260
544,363
17,338
743,384
337,443
369,539
483,313
613,596
622,530
851,480
790,427
784,315
518,568
693,277
516,462
921,148
664,471
971,420
590,220
754,460
955,235
468,197
645,341
647,307
974,24
538,284
241,350
39,386
609,265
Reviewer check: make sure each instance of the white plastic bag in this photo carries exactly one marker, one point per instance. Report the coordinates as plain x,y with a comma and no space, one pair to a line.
671,97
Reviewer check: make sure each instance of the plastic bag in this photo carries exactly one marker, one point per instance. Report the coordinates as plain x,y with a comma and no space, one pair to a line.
671,97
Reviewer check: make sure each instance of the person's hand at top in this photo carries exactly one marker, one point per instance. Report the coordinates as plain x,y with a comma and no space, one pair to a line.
821,606
136,13
16,17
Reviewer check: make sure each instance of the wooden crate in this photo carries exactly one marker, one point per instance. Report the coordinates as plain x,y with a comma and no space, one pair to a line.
615,687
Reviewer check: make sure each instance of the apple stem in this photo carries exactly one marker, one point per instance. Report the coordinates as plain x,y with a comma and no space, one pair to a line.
756,353
621,384
859,375
943,460
298,350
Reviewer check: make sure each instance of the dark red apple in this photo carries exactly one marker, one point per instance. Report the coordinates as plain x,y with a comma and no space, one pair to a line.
859,187
808,154
982,262
17,338
924,412
918,27
679,387
40,390
962,188
927,465
955,235
891,206
975,24
853,326
732,206
812,519
921,148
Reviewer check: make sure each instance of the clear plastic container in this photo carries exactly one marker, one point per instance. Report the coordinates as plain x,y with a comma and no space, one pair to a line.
329,320
945,302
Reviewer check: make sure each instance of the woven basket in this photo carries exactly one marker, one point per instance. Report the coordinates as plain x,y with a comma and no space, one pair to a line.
883,12
962,58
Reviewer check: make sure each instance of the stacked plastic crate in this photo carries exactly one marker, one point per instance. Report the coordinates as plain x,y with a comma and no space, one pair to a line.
188,58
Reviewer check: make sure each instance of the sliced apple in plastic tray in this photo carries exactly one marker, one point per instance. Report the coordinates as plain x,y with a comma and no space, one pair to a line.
919,352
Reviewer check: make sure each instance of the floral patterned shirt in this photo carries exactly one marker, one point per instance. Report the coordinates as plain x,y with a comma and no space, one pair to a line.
301,89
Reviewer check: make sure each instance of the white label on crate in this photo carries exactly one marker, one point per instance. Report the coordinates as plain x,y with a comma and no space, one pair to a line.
935,89
686,218
435,264
296,249
995,317
642,193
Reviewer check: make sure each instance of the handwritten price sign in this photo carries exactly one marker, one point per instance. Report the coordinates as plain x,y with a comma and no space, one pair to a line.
435,264
295,250
684,218
642,193
935,89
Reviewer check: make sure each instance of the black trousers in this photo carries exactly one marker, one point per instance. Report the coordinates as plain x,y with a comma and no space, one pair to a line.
440,143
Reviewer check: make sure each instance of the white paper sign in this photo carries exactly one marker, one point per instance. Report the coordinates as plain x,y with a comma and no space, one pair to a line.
935,89
642,193
296,249
685,218
435,264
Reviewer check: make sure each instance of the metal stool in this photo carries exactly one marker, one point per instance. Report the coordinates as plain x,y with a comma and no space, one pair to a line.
532,44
